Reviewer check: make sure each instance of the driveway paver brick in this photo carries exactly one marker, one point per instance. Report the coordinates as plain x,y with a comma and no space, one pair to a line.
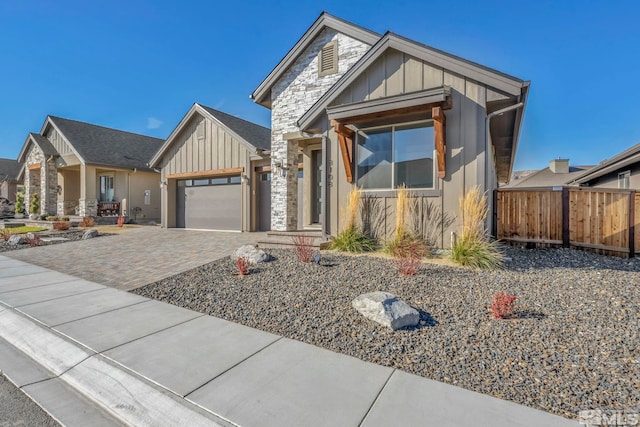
138,257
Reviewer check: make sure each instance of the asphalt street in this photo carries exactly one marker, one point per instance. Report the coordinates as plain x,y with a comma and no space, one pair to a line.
17,409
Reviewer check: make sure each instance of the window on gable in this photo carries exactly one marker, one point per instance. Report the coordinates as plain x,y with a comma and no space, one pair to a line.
328,59
624,179
391,156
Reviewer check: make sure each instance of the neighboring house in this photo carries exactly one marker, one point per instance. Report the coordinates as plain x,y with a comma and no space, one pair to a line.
90,170
9,171
621,171
558,173
381,111
215,173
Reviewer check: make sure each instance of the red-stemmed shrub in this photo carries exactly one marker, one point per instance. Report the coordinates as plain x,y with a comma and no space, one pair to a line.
5,234
502,305
61,225
120,221
243,266
303,247
33,240
408,257
87,222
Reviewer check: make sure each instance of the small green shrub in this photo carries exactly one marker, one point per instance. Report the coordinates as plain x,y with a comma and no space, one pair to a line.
351,239
51,218
19,206
65,218
34,206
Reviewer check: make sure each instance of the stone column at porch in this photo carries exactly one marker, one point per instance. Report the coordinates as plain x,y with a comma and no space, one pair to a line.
88,202
48,187
284,186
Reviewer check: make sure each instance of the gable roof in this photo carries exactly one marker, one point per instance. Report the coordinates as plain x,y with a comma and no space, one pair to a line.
43,143
509,84
325,20
547,178
624,159
9,169
106,146
253,136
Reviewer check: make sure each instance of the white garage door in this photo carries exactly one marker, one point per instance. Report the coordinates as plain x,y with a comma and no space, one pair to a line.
210,203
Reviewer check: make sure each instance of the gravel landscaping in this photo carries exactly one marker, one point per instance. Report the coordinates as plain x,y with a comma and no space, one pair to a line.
69,236
573,343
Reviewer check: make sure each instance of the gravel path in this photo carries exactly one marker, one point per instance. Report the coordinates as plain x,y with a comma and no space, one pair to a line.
573,344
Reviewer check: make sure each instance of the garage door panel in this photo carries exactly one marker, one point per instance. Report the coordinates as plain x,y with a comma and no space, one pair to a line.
216,207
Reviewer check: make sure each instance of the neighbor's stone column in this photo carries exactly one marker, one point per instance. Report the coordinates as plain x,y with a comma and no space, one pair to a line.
49,187
284,189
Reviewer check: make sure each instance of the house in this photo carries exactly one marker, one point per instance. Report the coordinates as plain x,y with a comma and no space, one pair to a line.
88,170
9,171
558,173
621,171
215,173
378,112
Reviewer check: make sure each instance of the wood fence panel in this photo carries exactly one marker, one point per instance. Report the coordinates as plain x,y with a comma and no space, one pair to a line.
603,220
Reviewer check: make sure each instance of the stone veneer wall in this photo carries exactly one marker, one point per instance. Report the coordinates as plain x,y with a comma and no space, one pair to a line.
296,91
43,182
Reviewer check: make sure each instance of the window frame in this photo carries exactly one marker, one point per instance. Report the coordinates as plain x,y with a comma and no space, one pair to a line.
111,177
391,192
624,178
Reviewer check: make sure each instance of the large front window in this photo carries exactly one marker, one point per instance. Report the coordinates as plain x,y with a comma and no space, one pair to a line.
107,193
393,156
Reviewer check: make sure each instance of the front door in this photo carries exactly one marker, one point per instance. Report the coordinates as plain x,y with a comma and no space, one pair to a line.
264,201
316,186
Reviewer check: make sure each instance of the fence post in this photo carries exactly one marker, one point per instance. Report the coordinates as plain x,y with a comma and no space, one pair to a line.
565,218
632,223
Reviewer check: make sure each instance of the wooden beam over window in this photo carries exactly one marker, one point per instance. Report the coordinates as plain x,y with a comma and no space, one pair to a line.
206,173
345,138
439,128
34,166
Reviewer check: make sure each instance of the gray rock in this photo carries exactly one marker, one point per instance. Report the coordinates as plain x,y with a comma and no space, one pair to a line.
31,236
386,309
152,222
90,234
251,252
16,240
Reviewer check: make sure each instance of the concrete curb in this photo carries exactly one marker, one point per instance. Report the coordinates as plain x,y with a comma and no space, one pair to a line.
126,396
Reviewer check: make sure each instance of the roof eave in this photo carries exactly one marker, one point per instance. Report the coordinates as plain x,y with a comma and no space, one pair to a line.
259,95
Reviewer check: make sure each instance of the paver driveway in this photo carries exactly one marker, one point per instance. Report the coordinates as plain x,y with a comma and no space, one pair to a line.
138,257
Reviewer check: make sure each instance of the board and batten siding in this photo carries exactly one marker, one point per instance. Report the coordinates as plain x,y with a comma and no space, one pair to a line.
204,145
193,152
58,142
396,73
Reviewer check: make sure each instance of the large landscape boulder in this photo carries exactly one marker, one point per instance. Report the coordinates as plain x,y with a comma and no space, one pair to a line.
386,309
252,253
16,240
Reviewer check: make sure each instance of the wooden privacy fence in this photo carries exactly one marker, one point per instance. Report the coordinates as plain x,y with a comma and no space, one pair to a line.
601,220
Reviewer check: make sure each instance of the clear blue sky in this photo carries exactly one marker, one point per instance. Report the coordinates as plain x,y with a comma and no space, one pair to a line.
140,65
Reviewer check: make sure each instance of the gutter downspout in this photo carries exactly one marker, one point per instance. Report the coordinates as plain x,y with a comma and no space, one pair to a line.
487,146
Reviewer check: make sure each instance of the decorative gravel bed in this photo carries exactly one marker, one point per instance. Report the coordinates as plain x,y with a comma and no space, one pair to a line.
572,345
69,235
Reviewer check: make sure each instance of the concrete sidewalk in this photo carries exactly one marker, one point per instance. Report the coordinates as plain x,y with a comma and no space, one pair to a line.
94,355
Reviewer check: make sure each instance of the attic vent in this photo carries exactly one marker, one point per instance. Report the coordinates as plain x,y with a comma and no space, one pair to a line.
200,131
328,59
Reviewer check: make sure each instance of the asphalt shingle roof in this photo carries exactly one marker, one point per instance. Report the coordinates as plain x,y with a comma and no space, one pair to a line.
9,168
110,147
547,178
256,135
45,145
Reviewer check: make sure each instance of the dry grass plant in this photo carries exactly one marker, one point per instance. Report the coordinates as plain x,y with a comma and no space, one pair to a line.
473,247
